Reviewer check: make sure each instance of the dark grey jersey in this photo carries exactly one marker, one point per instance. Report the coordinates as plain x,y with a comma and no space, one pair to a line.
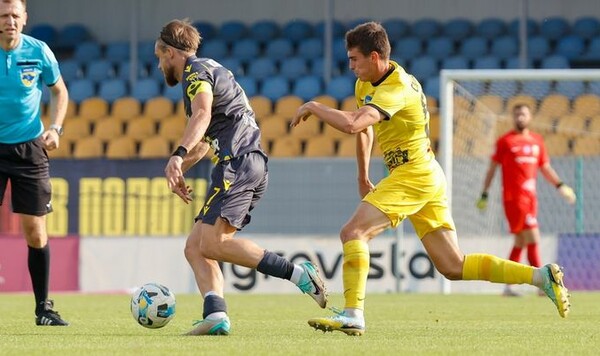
232,131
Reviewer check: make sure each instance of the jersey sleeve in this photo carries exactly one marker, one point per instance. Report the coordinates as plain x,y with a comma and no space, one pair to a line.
500,150
50,69
389,99
197,81
543,158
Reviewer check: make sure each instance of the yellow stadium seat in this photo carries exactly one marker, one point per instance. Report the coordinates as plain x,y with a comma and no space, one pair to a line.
319,146
71,109
587,105
347,147
262,106
75,129
571,125
327,101
154,147
586,146
63,150
121,148
522,99
307,129
180,108
461,104
172,128
332,132
92,109
88,147
489,104
273,127
434,127
556,144
140,128
287,106
554,105
348,104
594,125
108,128
158,108
126,108
286,146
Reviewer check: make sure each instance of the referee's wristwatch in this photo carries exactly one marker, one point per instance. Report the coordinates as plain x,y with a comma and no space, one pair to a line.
59,129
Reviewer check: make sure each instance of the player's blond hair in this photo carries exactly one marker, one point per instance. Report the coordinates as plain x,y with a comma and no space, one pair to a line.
181,35
369,37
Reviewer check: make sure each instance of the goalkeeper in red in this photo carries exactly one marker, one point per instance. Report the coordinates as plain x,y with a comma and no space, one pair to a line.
391,106
521,153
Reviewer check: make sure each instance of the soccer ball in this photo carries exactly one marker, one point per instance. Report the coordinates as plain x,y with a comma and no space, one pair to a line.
153,305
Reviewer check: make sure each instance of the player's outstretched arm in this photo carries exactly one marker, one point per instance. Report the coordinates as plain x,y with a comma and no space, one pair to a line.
564,190
489,176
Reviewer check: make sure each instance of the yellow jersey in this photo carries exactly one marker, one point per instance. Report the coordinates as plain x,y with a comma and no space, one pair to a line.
403,135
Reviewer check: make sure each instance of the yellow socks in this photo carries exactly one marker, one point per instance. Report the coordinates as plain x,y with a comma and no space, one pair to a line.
356,271
486,267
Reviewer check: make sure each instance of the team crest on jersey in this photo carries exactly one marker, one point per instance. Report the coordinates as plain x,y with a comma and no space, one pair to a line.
368,99
28,76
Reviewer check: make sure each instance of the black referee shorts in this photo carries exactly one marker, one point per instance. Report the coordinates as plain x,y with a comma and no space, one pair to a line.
26,166
236,186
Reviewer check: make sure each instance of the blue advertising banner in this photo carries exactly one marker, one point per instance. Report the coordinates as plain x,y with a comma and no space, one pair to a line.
101,197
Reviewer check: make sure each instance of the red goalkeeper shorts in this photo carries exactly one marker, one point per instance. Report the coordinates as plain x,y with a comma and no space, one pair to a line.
521,214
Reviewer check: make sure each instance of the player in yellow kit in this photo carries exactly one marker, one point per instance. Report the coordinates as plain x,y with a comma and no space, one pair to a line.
392,106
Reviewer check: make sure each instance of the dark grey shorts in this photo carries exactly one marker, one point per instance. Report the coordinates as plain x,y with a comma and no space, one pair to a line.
26,166
236,186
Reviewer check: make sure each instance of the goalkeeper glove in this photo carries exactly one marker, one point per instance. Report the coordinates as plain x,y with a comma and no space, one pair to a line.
566,192
483,201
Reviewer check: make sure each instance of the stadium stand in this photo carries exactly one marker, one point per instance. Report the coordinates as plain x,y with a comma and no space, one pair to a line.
121,148
232,31
154,147
112,89
319,146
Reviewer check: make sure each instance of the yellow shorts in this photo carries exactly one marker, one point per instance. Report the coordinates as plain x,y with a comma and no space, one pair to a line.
416,192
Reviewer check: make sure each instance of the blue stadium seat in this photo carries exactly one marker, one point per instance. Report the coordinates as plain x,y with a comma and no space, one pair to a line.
233,64
87,51
262,68
439,47
232,31
538,47
155,73
297,30
424,67
339,52
474,47
112,89
396,28
207,30
487,62
44,32
571,47
308,87
81,89
431,87
593,50
555,62
594,88
71,35
146,52
317,67
514,25
172,93
491,28
515,63
310,48
407,48
570,89
99,70
249,85
124,70
353,23
538,89
293,68
504,47
117,51
264,30
214,48
145,89
338,29
70,70
340,87
279,48
275,87
476,88
245,49
455,62
426,28
586,27
554,28
457,29
505,89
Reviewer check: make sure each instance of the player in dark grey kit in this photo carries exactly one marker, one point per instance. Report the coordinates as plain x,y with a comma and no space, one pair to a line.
219,116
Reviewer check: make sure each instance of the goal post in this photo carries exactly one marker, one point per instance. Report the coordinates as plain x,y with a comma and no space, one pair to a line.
475,107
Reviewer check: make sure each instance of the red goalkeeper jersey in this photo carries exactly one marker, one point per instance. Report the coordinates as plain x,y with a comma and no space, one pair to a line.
520,156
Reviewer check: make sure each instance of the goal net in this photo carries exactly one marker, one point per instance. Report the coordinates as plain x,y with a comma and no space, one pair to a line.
475,110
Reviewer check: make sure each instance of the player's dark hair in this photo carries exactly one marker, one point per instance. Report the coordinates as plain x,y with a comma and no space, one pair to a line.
180,34
24,2
369,37
521,105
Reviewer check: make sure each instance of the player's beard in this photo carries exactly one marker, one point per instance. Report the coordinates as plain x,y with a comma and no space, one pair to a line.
170,77
520,126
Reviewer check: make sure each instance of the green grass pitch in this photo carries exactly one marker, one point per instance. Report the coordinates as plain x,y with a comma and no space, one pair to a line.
399,324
